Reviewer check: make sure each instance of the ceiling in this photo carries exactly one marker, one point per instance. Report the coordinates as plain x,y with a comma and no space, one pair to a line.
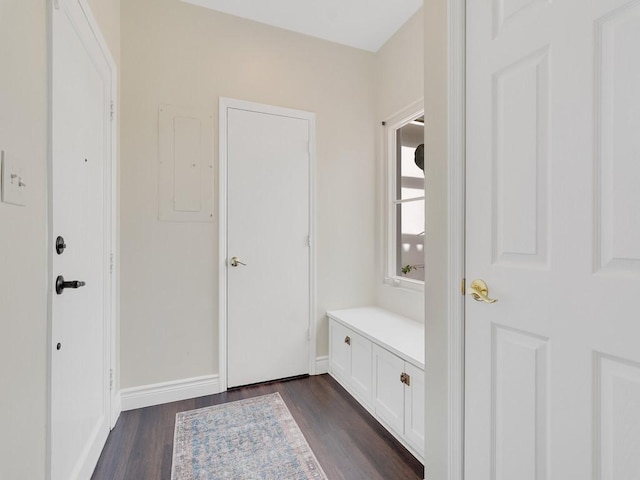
364,24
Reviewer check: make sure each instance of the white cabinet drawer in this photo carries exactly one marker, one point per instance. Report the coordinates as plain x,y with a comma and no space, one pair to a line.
361,367
339,351
388,395
399,404
414,407
350,360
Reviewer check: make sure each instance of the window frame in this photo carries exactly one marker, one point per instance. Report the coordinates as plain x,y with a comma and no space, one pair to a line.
390,152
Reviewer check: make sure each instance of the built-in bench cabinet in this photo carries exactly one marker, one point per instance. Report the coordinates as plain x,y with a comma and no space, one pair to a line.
378,357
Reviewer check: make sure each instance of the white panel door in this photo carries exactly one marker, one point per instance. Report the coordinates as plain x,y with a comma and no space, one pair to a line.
268,228
553,227
81,94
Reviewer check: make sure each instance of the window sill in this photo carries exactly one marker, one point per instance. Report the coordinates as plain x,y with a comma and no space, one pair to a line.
404,284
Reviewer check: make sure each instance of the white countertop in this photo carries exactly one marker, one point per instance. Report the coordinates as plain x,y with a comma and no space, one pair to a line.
400,335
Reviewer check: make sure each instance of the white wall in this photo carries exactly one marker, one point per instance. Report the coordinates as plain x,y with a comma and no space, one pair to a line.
436,243
107,14
399,83
23,273
185,55
400,68
23,239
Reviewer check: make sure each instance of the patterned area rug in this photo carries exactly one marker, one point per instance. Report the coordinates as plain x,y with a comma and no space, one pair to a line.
256,438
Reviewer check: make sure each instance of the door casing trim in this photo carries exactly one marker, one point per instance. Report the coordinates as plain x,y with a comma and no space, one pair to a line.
111,231
224,105
456,105
448,460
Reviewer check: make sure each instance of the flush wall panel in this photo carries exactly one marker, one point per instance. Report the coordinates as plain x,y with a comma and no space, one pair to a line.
185,168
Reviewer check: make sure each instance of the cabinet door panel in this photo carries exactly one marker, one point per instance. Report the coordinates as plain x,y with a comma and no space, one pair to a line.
340,353
388,390
361,366
414,408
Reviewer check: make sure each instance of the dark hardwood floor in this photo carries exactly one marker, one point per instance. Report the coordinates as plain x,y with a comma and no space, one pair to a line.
347,441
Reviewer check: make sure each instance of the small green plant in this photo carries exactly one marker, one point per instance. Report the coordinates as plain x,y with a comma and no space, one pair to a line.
408,268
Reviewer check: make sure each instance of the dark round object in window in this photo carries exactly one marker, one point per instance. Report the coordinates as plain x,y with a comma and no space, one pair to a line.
419,156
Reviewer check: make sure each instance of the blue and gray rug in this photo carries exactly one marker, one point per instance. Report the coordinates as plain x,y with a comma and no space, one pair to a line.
256,438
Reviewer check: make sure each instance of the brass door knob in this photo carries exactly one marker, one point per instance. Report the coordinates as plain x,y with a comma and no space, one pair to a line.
480,292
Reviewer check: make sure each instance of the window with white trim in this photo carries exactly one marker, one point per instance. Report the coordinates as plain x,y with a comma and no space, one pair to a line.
405,199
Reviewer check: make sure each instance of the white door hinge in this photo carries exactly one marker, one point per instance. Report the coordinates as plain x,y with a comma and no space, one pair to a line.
308,334
308,240
113,110
110,379
111,263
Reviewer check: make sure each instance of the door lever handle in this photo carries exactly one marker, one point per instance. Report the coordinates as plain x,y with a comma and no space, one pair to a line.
480,292
61,284
235,261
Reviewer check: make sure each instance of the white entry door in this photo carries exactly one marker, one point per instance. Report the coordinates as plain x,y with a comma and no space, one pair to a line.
81,149
553,228
267,258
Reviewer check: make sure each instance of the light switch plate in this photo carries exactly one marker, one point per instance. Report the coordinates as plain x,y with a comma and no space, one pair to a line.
14,183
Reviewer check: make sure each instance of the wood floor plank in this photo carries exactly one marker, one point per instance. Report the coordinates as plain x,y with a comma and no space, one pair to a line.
347,441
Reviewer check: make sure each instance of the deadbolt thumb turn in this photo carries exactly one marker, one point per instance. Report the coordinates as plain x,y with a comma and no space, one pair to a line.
60,245
61,284
235,261
480,292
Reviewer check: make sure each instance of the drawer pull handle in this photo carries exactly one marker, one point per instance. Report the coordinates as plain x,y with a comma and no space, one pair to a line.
406,379
347,340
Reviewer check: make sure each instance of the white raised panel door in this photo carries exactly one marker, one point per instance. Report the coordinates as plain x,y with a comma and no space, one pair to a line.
553,227
388,390
361,367
414,408
340,355
81,92
268,227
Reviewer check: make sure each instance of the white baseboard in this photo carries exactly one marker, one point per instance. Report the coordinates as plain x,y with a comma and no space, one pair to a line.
116,408
322,365
159,393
